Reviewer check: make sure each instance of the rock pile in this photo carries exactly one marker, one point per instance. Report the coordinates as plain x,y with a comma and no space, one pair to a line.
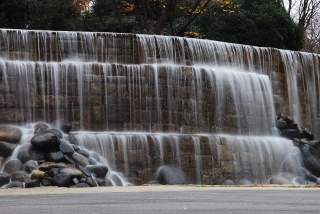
49,159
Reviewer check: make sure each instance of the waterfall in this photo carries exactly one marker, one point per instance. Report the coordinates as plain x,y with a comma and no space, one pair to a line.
143,101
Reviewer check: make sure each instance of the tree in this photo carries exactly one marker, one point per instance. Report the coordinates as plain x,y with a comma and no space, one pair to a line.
13,14
254,22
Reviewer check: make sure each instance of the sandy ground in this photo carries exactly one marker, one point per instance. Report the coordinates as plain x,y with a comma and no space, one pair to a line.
150,188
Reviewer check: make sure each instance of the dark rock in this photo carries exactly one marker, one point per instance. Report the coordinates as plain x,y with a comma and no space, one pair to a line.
32,183
80,159
55,156
46,181
69,159
4,178
62,125
65,148
25,153
40,127
30,165
311,159
15,184
278,180
288,120
6,149
75,147
72,139
84,170
80,185
62,180
21,176
99,170
92,161
103,182
75,181
290,134
57,132
95,156
281,116
84,153
91,182
171,175
293,125
307,134
83,180
281,124
10,134
53,172
73,172
45,141
12,166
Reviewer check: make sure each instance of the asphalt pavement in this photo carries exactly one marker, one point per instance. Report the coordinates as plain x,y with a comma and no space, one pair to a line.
215,200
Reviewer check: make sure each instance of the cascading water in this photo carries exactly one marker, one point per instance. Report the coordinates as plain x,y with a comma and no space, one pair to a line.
152,100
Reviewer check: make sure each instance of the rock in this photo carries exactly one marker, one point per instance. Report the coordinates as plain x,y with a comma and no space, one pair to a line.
80,159
40,127
307,134
37,174
73,172
281,124
55,156
75,181
57,132
46,181
6,149
278,180
99,170
91,182
53,172
287,175
4,178
25,153
30,165
171,175
12,166
84,170
75,147
15,184
65,148
32,183
92,161
103,182
311,159
227,182
244,183
290,134
80,185
84,153
293,125
45,141
62,125
72,139
299,180
10,134
281,116
46,166
62,180
95,156
21,176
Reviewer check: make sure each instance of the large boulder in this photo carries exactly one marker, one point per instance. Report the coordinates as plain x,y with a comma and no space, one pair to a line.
290,134
37,174
21,176
80,159
99,170
15,184
12,166
32,183
45,141
278,180
28,152
6,149
57,132
62,180
171,175
46,166
55,156
72,139
10,134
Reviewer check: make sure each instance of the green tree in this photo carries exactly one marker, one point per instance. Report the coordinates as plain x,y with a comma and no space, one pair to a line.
13,14
255,22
